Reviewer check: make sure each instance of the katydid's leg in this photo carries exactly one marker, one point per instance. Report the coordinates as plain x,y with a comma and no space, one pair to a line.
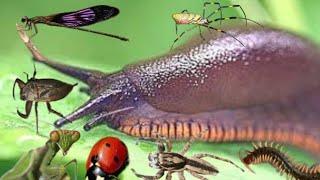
79,73
53,111
28,110
216,157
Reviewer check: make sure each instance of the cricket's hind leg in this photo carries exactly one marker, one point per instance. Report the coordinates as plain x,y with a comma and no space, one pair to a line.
87,76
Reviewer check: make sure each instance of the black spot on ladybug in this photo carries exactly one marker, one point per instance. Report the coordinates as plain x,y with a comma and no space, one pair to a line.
94,159
108,145
116,159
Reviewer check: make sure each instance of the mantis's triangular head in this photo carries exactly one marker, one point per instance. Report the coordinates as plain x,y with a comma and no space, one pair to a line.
64,139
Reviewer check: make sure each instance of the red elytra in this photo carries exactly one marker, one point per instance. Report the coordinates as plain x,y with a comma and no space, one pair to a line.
112,155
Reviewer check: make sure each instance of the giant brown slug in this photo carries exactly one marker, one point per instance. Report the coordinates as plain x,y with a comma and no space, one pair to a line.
268,89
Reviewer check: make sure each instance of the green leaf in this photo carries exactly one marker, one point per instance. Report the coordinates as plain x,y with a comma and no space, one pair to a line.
150,28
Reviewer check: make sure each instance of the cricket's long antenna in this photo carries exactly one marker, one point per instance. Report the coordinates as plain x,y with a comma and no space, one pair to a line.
101,33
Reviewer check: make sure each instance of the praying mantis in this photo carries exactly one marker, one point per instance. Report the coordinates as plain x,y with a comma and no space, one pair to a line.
36,163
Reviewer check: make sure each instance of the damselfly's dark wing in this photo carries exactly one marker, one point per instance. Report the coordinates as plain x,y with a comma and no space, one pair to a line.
85,16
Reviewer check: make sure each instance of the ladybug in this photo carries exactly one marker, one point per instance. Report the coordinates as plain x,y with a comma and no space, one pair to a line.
107,159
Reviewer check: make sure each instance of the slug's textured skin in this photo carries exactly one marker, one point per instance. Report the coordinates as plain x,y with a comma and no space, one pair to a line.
267,90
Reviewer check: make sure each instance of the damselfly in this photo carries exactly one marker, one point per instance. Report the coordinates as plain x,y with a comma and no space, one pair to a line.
76,19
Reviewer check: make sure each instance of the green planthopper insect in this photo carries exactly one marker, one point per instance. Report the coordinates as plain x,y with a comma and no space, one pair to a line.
41,90
36,164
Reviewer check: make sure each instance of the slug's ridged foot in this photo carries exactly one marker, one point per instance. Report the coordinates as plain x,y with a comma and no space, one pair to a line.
273,122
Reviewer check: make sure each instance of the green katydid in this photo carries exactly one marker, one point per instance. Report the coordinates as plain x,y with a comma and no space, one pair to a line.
36,164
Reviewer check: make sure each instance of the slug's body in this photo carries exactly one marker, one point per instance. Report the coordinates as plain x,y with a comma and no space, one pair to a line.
280,161
268,89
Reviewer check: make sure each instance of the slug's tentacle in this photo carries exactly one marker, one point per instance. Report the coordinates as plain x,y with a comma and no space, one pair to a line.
98,119
93,105
87,76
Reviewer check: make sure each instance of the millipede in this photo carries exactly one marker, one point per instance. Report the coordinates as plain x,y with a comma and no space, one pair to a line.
275,156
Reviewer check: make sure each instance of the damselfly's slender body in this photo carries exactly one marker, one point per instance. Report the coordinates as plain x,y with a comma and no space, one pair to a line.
76,19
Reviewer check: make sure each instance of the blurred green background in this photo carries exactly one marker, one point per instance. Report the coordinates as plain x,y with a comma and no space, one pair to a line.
150,28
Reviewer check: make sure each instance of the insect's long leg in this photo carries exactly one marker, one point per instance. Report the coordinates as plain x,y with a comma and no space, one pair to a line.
27,75
187,146
181,36
102,117
76,167
169,176
222,31
161,147
37,118
21,84
34,71
159,174
235,17
28,110
185,11
201,33
216,157
80,73
181,175
52,110
176,29
230,6
35,30
163,140
209,3
197,175
190,141
101,33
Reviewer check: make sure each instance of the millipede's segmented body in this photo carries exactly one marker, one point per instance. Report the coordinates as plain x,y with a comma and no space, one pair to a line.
268,89
281,161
